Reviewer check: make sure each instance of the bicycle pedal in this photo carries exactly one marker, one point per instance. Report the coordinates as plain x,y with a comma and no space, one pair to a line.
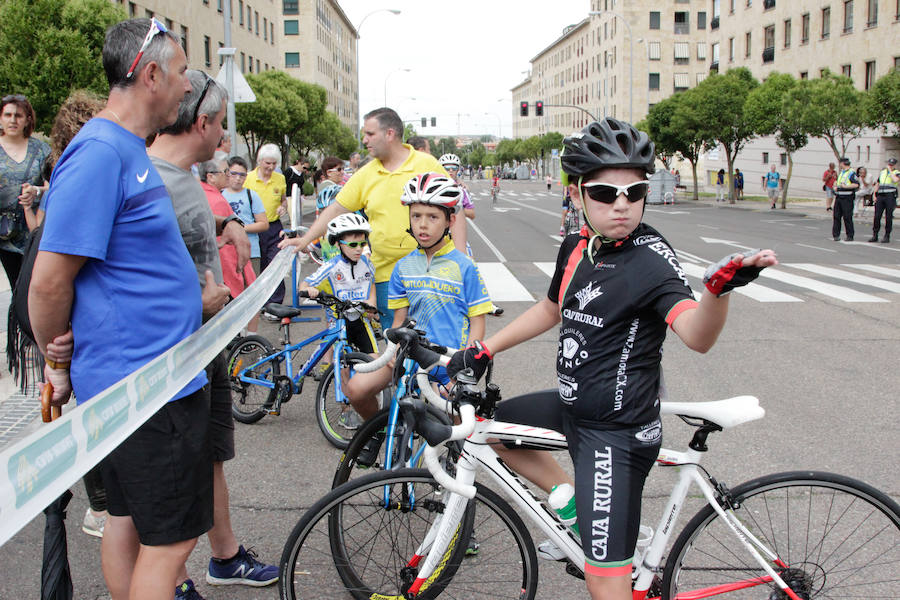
274,411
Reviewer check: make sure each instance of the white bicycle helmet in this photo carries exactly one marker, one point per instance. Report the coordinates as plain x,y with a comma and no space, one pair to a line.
347,223
449,160
432,188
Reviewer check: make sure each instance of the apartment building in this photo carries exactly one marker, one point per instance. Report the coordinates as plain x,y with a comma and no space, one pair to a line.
269,34
623,58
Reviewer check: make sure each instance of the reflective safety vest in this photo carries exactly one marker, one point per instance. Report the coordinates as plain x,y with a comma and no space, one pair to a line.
886,180
843,179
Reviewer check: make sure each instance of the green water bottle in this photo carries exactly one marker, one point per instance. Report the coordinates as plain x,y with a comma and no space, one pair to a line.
562,500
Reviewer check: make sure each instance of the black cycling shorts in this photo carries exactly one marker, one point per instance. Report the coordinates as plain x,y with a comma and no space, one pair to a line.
611,466
360,334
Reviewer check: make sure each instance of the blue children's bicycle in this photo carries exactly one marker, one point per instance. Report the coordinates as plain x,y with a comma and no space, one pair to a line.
263,378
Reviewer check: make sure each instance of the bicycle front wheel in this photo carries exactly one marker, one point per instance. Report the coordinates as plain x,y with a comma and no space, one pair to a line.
835,537
352,541
249,401
330,408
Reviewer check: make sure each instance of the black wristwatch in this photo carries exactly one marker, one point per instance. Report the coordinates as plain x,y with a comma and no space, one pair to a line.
231,218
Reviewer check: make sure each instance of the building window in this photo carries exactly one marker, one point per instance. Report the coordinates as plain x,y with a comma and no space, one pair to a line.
265,29
701,20
256,14
250,63
148,13
848,16
765,158
870,73
682,52
292,59
700,77
682,81
241,13
249,18
653,51
804,29
845,70
826,22
730,49
132,9
290,7
257,65
769,44
271,33
747,37
783,159
291,27
682,25
897,62
243,63
787,33
206,51
654,20
219,6
804,74
654,81
184,38
872,13
715,54
170,25
701,50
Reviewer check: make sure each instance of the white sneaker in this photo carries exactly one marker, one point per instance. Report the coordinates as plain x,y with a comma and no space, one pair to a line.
93,525
550,551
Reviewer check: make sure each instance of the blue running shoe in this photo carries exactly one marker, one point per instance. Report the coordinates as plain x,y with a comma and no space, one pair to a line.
187,591
243,569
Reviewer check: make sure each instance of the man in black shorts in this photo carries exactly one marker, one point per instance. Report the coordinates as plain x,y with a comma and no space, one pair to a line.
193,138
616,290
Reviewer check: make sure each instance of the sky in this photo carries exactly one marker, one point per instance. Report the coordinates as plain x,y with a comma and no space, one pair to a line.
464,57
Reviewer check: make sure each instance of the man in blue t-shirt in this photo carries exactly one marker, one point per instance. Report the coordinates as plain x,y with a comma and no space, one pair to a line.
772,181
112,262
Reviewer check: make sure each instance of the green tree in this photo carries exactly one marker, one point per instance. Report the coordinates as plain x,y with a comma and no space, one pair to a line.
773,111
52,47
883,101
279,104
830,108
326,134
719,106
409,131
674,127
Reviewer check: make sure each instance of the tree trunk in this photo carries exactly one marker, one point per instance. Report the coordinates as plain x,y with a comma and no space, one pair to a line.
728,175
696,186
787,181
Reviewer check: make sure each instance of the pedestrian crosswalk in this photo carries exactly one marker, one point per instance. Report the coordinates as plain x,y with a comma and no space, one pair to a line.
786,283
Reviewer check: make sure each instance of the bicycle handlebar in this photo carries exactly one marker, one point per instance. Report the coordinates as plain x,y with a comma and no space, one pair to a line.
326,299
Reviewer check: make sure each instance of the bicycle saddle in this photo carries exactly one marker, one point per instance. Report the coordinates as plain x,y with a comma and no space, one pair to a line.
724,413
282,311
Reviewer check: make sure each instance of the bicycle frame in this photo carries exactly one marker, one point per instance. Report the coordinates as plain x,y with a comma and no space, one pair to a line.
477,454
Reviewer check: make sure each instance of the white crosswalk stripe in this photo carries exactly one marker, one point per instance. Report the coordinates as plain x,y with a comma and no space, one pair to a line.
848,276
876,269
502,285
752,290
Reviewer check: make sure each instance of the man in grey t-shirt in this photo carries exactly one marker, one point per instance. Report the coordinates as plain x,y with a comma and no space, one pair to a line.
193,138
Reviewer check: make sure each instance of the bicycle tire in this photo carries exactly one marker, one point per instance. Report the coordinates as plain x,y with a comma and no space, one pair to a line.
249,402
378,423
347,542
834,533
329,409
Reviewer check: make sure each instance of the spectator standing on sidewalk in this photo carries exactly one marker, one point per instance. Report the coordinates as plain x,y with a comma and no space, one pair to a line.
247,205
297,173
771,181
271,187
864,195
844,194
191,139
351,167
885,200
829,177
738,185
720,186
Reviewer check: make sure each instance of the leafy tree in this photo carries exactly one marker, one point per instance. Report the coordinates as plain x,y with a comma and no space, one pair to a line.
674,127
718,106
830,108
883,101
773,111
327,134
443,146
51,47
278,105
409,131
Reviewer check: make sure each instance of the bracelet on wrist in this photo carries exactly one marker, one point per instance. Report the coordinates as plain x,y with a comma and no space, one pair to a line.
62,365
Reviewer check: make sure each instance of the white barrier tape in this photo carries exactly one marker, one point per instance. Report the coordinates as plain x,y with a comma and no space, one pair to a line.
40,467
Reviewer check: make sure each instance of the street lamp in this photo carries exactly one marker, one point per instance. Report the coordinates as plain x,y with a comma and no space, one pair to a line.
393,11
388,76
630,59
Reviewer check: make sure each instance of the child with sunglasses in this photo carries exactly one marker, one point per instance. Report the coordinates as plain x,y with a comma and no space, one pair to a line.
616,290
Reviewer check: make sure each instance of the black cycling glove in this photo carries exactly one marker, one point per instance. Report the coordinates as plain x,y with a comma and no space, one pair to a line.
723,276
477,356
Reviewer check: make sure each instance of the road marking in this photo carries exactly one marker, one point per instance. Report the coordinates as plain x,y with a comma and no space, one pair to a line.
556,238
541,210
503,210
707,226
502,285
751,290
493,248
508,193
870,245
817,248
847,276
547,267
726,242
834,291
668,212
876,269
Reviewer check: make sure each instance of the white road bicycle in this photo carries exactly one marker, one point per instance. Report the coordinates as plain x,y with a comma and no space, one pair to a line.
410,533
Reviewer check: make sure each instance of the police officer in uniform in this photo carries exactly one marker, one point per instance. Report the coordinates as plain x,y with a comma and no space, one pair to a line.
845,193
885,200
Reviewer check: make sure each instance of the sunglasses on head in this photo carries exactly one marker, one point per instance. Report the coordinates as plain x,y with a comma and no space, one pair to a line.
14,98
155,27
209,81
361,244
237,173
608,192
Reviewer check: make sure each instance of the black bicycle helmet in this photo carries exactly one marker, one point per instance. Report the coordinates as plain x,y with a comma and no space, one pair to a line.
607,143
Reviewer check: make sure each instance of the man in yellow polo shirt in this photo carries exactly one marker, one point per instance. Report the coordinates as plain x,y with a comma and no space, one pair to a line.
271,188
376,188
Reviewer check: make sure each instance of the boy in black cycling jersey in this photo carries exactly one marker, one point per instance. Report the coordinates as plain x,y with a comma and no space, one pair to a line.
616,289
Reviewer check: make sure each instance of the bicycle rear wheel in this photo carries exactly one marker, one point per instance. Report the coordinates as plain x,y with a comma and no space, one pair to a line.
249,401
835,537
329,408
349,542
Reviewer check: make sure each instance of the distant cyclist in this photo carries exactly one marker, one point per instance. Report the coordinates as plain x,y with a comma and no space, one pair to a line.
617,289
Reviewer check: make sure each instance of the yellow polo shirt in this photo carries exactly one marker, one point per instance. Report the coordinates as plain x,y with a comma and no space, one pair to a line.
377,191
270,192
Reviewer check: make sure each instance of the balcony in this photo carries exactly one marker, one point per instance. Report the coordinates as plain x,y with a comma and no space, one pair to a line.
714,23
768,55
767,4
714,67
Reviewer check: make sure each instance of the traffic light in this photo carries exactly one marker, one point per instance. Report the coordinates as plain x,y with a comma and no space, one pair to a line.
434,121
424,121
523,109
539,108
